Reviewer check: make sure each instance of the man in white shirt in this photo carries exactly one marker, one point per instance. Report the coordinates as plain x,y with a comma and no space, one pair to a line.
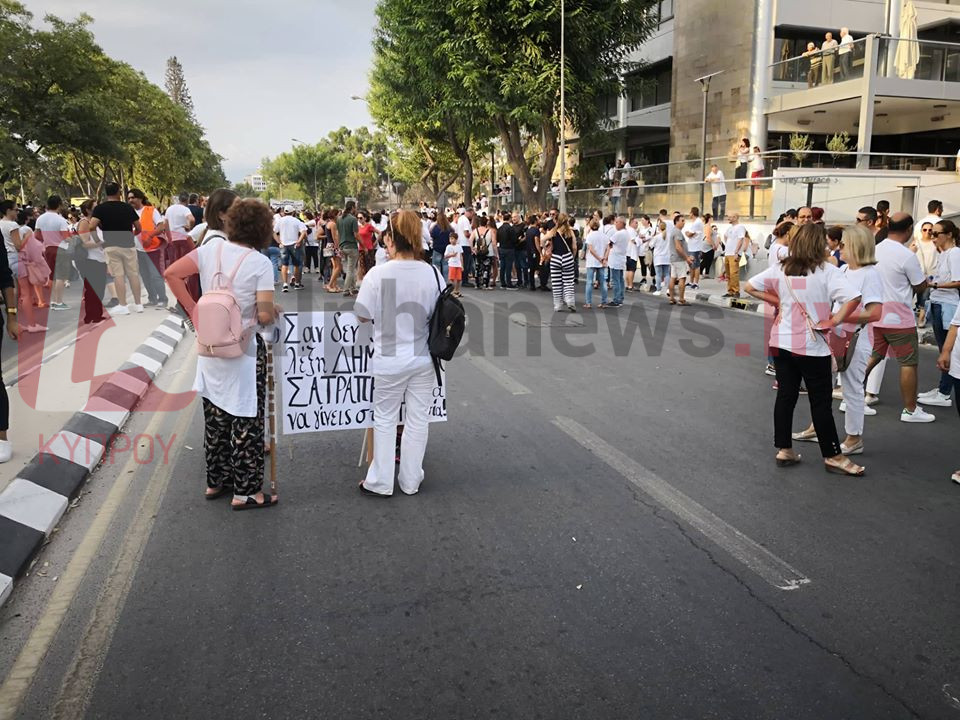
718,189
53,230
179,219
934,214
846,46
694,233
896,332
291,235
735,241
465,238
617,259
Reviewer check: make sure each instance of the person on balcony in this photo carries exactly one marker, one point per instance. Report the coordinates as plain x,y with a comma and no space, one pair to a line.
846,53
829,49
815,59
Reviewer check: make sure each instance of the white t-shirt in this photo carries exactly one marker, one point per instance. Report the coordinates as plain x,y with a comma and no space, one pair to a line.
867,282
661,247
948,270
178,219
53,230
955,355
817,292
454,255
694,241
198,233
400,339
900,271
633,247
718,184
597,242
382,255
289,228
96,254
312,239
231,383
732,238
465,231
845,44
157,219
778,253
617,259
7,227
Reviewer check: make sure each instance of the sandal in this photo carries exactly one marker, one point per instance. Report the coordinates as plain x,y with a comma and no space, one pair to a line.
956,477
806,436
252,504
844,467
788,460
219,491
587,306
673,302
684,302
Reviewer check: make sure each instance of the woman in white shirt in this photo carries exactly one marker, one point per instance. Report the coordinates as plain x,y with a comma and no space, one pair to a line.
757,167
857,250
234,389
92,264
403,372
944,298
804,288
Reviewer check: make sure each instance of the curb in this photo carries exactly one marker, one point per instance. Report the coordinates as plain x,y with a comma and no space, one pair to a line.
32,505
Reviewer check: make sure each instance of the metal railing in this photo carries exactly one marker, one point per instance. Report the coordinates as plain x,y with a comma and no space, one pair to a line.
918,60
824,67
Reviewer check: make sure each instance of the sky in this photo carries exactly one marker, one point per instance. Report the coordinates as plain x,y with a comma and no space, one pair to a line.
259,73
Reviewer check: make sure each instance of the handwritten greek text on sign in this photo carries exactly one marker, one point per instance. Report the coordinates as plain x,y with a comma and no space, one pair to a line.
326,377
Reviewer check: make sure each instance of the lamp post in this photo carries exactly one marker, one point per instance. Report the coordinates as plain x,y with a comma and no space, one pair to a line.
316,204
705,86
562,200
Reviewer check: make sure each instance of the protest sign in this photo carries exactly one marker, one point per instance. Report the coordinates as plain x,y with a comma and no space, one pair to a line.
326,376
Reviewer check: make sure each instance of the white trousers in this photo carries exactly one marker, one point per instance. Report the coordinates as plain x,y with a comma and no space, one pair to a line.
389,393
851,381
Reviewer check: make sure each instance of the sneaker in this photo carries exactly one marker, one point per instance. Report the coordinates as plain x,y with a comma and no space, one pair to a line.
803,390
929,393
936,398
119,310
571,308
112,304
6,451
870,399
557,308
298,286
917,416
286,288
643,281
867,411
36,328
770,370
59,306
138,308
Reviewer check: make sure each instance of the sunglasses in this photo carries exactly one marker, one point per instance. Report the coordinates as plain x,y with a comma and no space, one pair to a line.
927,230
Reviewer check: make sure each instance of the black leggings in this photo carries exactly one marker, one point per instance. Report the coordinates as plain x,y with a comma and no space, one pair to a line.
313,253
816,374
644,267
4,400
706,261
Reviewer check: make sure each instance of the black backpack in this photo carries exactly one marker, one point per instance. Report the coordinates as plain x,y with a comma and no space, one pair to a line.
446,327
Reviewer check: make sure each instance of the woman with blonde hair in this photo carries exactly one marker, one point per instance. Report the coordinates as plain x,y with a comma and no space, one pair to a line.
399,297
561,249
803,288
857,251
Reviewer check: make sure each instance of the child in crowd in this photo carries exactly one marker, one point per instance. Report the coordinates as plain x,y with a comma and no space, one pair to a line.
454,257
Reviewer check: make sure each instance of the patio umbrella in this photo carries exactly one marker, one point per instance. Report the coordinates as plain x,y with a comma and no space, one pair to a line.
908,49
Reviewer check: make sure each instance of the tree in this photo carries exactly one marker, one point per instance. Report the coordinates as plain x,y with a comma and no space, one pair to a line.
176,85
245,190
319,170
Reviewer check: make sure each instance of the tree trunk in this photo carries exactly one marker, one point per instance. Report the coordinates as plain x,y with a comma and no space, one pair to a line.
462,151
509,131
550,155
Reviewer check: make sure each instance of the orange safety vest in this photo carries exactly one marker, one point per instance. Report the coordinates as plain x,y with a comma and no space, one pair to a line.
147,226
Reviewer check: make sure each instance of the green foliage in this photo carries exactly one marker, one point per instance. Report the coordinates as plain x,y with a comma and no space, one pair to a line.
800,144
839,144
319,171
245,190
71,111
451,70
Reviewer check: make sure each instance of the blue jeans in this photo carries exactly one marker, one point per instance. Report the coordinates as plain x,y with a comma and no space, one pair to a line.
273,253
596,274
440,263
618,286
663,276
506,267
937,318
523,269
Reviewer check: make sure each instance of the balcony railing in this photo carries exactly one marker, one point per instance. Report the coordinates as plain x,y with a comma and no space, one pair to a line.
895,58
824,68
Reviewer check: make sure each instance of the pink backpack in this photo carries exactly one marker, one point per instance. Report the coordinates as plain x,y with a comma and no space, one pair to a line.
218,319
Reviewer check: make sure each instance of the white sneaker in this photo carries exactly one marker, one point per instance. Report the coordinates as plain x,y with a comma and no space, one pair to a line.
929,393
935,397
119,310
871,400
917,416
6,451
770,370
138,308
867,410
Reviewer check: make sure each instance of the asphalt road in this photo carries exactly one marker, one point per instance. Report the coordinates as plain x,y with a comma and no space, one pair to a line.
597,537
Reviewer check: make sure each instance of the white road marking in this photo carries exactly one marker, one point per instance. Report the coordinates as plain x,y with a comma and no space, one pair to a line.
499,376
764,563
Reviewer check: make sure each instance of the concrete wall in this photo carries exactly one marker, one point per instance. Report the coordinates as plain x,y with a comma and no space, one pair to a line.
861,16
710,36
